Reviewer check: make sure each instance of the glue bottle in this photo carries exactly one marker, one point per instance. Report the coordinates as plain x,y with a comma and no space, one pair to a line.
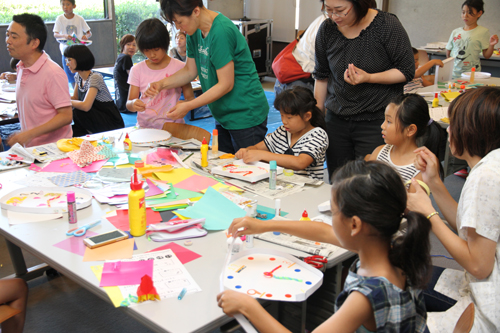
472,74
215,142
127,144
305,216
136,207
204,153
435,101
272,175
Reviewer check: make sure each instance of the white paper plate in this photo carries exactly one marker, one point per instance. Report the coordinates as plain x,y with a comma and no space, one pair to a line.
148,136
479,75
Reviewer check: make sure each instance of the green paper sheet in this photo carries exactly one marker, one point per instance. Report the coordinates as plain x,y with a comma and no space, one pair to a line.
217,210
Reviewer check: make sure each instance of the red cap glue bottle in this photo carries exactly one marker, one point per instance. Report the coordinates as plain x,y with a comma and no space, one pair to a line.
435,101
305,216
204,153
127,144
136,207
472,74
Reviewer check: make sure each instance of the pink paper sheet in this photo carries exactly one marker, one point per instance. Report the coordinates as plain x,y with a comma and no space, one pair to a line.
67,165
75,244
196,183
153,189
181,252
124,273
162,156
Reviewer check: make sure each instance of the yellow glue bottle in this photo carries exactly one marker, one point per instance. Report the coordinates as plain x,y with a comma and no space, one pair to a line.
127,144
435,101
305,216
472,74
204,153
136,207
215,142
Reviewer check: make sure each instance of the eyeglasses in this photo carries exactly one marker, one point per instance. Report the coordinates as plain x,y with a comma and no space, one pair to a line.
338,14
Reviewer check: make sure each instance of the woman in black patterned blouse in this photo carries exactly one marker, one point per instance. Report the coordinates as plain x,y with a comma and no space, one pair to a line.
363,59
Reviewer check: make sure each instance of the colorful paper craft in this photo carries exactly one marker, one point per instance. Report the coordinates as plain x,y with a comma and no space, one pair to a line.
218,211
67,165
107,152
252,172
183,254
196,183
120,221
120,250
123,273
87,154
72,178
153,189
162,156
75,244
146,290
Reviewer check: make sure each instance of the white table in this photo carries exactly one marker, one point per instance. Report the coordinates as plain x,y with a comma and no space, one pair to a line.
197,312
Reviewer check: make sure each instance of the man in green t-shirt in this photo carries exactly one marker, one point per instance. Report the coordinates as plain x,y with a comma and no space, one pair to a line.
218,53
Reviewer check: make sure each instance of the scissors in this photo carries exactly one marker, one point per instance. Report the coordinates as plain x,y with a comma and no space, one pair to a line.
316,261
77,232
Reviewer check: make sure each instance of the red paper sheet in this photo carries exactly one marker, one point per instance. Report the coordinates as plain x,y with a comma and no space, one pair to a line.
120,221
181,252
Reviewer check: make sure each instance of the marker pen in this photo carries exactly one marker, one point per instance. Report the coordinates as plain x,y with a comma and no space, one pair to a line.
181,295
71,207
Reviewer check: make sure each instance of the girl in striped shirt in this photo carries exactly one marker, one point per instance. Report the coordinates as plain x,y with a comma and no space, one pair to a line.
300,143
407,123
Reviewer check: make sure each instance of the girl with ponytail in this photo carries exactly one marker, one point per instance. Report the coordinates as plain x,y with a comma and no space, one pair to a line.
301,143
382,291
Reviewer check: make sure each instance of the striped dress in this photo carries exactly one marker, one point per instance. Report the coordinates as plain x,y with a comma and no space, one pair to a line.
313,143
406,172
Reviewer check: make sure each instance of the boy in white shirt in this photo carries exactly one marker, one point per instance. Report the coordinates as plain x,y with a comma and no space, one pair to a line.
65,26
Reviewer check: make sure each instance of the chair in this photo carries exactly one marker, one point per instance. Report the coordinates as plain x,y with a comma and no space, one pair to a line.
7,312
464,323
185,131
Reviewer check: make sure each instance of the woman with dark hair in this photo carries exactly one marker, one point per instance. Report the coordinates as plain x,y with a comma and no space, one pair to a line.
218,53
121,71
363,60
474,127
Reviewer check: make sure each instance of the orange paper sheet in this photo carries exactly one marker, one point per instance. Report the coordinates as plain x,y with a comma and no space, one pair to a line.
119,250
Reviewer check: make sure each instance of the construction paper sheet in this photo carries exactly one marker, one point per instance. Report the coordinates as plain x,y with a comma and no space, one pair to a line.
120,221
176,175
153,189
67,165
75,244
269,211
218,210
166,216
120,250
118,160
220,186
20,218
196,183
123,273
183,254
72,178
114,293
130,236
162,156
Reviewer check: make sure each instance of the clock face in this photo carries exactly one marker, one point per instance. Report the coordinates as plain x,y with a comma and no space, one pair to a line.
272,275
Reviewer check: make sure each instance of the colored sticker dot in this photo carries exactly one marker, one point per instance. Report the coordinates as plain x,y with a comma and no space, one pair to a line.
269,295
272,259
317,243
250,258
230,277
238,287
297,270
308,282
288,295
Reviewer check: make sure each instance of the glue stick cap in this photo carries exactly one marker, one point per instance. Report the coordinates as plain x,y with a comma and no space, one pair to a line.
71,196
215,132
272,164
139,164
204,142
135,184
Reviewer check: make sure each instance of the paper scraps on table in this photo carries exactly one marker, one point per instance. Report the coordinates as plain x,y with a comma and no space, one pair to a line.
106,151
86,155
114,293
75,244
72,178
162,156
20,218
183,254
123,273
146,290
115,251
176,175
153,189
196,183
120,221
67,165
217,210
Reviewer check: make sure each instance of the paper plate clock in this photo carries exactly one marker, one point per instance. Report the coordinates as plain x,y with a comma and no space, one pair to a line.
45,200
144,137
238,169
271,275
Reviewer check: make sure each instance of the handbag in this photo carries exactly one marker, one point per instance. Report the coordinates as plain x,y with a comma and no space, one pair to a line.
285,66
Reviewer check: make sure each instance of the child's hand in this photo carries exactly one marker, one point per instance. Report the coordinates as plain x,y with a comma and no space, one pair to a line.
419,201
427,163
23,138
493,40
153,89
239,155
232,302
250,226
179,110
252,155
139,105
354,75
437,62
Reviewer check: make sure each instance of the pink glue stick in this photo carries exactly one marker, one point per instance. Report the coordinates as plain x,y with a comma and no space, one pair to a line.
71,207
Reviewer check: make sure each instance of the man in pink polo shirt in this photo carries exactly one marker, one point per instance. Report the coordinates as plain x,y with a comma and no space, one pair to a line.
42,95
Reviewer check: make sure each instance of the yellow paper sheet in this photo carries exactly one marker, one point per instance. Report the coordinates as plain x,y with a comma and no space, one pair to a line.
175,176
115,251
450,96
220,186
114,293
182,217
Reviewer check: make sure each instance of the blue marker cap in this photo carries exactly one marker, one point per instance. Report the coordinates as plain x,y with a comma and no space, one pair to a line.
181,295
272,164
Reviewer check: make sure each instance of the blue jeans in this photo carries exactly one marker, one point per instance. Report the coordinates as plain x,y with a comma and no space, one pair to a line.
279,87
230,141
435,301
71,76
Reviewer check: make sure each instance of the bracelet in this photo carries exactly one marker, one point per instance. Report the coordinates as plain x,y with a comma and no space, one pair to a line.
431,215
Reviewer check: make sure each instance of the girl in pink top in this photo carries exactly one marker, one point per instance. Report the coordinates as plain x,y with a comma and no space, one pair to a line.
153,40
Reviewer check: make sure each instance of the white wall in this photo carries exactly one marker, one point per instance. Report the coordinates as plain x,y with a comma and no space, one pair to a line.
281,11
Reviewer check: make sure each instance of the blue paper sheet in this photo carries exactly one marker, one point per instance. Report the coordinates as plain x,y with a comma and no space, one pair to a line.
217,210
